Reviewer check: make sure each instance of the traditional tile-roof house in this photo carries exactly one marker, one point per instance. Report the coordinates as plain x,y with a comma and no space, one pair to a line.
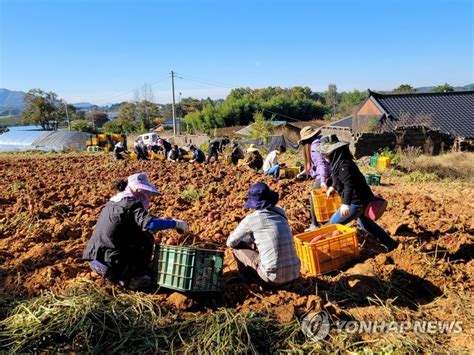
434,122
447,112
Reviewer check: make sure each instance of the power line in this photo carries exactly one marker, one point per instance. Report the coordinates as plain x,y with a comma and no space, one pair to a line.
279,114
206,81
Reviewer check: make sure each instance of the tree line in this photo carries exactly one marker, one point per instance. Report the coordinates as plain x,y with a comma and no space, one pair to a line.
241,107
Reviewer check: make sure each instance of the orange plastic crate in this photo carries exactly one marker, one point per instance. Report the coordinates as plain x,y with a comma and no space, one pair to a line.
324,206
328,254
383,163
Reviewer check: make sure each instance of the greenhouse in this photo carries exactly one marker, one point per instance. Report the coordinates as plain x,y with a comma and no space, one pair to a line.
21,140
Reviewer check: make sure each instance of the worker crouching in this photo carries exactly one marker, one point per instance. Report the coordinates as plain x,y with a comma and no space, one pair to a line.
121,245
263,243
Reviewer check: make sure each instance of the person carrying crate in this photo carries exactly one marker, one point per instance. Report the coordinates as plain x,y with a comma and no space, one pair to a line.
273,259
121,245
315,166
356,194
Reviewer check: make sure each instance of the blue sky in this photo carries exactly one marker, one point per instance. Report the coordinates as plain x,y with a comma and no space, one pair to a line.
100,51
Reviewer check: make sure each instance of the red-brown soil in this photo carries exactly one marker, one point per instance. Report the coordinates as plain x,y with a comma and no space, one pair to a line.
49,206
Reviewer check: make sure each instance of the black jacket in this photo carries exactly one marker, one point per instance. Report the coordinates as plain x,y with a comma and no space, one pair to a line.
350,184
118,231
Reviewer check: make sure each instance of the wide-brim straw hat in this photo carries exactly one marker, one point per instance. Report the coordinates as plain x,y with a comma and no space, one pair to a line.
252,148
329,144
308,132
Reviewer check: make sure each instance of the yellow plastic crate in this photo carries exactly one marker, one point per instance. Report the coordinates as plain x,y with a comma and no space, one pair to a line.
383,163
157,156
328,254
324,206
291,172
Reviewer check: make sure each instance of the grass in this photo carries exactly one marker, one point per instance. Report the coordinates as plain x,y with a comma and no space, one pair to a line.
93,319
458,165
192,194
88,318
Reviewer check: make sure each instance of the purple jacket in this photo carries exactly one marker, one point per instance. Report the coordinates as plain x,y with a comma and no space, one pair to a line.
321,170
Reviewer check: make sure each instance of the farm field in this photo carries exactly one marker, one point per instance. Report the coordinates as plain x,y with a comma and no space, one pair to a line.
49,205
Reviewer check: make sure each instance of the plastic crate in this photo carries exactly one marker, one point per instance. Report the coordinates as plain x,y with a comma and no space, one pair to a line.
157,156
188,269
324,206
373,160
383,163
376,179
328,254
373,179
291,172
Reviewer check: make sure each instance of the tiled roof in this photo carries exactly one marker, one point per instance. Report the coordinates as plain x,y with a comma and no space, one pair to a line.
448,112
345,122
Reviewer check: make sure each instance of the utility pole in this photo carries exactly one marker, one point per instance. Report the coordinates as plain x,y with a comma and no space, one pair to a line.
67,116
173,106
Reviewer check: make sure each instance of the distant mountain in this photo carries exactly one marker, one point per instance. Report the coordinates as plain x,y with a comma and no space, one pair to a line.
11,99
456,88
82,105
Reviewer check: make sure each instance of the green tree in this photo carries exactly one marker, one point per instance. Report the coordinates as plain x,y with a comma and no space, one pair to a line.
261,127
44,109
242,103
113,127
82,126
404,89
146,112
443,88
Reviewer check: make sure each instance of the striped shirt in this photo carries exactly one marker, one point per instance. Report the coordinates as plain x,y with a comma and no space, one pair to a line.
270,231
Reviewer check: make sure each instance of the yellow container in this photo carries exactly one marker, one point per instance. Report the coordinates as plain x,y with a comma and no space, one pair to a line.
132,156
324,206
328,254
95,141
383,163
240,162
116,137
291,172
157,156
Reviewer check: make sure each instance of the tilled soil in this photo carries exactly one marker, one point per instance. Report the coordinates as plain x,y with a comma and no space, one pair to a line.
49,206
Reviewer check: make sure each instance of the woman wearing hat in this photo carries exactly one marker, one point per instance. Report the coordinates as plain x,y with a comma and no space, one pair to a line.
274,259
121,245
255,159
349,182
314,164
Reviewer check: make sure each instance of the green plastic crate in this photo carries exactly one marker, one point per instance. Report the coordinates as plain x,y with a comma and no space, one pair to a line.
188,269
373,160
372,179
375,180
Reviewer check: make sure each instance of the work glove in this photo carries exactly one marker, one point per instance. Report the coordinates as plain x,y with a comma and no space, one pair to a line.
181,226
345,210
330,191
301,175
324,187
